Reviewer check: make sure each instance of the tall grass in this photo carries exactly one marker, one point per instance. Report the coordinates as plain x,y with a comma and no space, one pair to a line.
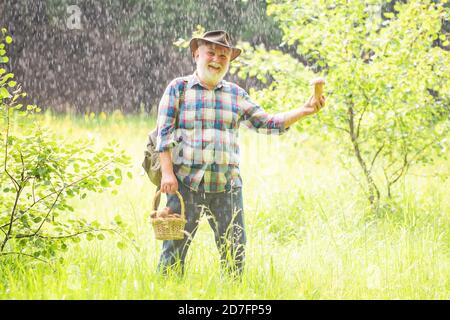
310,232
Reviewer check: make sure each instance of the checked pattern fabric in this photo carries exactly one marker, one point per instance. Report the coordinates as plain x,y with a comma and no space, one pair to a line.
201,127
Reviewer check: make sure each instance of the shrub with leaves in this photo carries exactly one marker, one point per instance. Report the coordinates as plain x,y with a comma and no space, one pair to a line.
388,83
40,172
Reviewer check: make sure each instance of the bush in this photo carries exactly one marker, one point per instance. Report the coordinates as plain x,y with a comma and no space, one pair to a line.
387,84
40,172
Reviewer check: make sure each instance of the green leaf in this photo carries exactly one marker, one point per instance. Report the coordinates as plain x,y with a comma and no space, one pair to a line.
130,175
100,236
37,219
104,182
7,76
76,239
118,219
4,93
8,39
121,245
95,224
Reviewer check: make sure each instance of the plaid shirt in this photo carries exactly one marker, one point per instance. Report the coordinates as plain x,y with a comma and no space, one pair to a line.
201,128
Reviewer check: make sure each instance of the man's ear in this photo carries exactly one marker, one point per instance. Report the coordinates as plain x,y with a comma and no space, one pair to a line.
196,54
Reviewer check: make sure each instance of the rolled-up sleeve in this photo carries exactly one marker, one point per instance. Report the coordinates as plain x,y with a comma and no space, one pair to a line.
255,118
167,114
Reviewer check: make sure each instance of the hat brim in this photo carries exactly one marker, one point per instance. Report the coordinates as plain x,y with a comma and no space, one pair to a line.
193,44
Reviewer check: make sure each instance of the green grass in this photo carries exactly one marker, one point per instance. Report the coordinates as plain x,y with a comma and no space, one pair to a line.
310,233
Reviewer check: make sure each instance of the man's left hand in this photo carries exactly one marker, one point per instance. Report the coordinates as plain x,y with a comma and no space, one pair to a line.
313,105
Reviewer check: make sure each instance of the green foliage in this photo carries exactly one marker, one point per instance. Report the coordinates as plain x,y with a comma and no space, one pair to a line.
388,85
41,171
184,43
304,231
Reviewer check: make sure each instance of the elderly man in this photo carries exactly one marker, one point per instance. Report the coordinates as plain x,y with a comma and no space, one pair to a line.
198,122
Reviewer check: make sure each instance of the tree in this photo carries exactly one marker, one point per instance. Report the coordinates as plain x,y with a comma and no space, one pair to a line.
387,82
40,172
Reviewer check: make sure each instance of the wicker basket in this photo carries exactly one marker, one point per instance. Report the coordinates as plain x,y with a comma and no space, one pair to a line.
167,228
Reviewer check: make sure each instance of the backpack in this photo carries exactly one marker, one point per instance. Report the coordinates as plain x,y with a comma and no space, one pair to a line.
151,163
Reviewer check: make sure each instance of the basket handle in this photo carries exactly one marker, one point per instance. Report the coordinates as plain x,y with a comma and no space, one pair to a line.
156,202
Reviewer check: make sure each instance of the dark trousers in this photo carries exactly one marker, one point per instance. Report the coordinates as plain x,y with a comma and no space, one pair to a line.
224,212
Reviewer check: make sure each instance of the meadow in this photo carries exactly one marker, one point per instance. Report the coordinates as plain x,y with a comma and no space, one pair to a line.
310,231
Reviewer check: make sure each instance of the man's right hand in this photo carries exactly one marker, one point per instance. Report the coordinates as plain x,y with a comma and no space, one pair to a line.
169,183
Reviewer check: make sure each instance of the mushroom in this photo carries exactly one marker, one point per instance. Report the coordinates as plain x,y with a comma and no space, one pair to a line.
169,210
318,87
164,213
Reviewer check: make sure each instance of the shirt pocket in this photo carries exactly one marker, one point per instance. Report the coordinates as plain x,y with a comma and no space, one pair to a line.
188,113
230,117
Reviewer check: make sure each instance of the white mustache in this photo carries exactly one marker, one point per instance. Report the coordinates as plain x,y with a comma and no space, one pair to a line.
215,65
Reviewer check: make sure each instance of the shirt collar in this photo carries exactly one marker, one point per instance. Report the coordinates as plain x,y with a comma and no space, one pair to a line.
195,80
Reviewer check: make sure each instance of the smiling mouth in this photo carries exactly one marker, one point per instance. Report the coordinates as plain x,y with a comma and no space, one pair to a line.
214,68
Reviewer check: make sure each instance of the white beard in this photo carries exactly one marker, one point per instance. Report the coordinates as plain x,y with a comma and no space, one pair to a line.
209,76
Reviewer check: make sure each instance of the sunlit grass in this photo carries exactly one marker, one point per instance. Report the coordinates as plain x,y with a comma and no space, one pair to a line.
310,233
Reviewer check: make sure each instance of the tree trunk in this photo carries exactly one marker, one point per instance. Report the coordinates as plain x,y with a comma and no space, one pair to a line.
374,193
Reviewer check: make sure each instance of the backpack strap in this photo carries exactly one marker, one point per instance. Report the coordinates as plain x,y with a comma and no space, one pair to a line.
183,91
181,99
151,162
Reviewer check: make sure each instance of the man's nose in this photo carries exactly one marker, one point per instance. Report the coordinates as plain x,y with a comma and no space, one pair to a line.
217,59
